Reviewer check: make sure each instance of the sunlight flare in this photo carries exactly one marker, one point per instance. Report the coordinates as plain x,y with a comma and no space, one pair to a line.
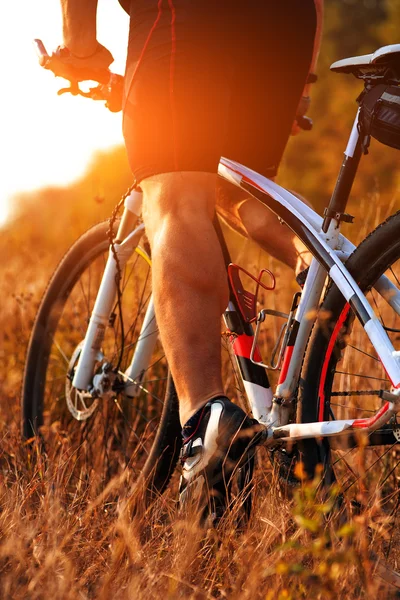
49,139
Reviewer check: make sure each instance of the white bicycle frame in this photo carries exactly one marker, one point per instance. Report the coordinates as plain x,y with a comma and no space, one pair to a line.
329,250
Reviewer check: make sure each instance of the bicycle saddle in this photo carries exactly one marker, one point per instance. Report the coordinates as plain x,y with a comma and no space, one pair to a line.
387,56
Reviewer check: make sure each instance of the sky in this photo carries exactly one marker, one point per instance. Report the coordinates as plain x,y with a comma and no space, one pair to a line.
44,138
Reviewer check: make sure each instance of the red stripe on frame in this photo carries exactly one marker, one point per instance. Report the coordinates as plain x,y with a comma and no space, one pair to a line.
364,423
242,347
286,362
331,345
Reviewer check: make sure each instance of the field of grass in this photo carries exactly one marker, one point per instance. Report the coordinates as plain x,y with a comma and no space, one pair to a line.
67,530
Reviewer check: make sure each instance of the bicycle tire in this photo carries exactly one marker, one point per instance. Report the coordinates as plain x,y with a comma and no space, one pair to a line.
334,346
81,257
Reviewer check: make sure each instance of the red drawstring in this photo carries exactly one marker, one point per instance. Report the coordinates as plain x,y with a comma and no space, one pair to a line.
159,6
171,68
171,78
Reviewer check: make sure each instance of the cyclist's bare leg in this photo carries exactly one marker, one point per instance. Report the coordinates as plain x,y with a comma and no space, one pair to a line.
189,281
251,219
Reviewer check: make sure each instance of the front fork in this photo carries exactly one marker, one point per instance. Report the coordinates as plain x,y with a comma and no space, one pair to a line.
105,300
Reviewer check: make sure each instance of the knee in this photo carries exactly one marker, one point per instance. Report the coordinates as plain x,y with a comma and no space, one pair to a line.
182,197
258,221
257,229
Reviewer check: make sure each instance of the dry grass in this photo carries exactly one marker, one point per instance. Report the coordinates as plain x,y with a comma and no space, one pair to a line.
67,532
62,539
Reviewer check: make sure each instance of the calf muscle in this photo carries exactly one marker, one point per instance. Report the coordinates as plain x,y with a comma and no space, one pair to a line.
189,282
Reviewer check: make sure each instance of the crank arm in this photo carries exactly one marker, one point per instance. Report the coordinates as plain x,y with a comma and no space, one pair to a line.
294,432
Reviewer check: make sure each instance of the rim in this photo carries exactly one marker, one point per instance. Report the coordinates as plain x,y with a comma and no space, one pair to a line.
118,423
367,468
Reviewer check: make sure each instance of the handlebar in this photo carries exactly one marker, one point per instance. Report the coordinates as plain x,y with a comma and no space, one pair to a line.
110,85
41,52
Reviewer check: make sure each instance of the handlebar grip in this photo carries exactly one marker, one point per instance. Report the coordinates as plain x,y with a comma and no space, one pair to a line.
41,52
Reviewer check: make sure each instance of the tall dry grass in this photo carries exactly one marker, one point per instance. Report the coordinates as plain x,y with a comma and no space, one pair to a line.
66,528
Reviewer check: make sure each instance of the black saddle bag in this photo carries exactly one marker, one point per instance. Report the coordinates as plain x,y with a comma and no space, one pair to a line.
380,115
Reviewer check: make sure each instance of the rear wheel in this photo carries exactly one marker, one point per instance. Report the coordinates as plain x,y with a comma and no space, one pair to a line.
342,378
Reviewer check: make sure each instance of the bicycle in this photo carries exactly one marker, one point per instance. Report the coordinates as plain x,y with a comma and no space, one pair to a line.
309,414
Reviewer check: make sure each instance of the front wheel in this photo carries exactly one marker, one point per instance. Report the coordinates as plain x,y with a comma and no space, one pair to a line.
102,433
342,378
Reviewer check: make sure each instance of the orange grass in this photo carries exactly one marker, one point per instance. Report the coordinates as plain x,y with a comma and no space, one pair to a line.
66,528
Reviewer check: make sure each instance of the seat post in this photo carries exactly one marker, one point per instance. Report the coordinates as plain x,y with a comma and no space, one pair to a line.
344,183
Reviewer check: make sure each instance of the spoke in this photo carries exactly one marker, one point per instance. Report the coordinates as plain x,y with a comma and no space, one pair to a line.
86,299
55,379
57,345
374,470
237,379
140,310
127,278
154,380
352,407
393,526
129,346
395,314
377,308
89,286
141,335
139,385
344,456
395,276
141,413
131,331
362,375
140,305
76,313
363,352
350,468
139,439
155,362
391,471
356,393
370,467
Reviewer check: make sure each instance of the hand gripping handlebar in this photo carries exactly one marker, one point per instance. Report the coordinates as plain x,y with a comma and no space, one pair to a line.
109,89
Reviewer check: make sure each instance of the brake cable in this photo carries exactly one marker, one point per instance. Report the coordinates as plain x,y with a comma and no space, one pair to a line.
118,276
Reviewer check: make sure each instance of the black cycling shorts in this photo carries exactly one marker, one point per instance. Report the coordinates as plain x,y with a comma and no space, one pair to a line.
212,78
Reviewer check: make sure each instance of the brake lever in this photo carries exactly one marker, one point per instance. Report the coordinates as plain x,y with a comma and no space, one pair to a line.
73,89
41,52
94,93
110,91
